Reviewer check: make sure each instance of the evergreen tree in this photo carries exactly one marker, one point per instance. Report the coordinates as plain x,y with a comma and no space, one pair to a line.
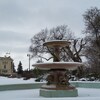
20,68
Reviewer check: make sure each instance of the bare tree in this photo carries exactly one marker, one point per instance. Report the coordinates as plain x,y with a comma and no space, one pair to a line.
92,30
62,32
75,52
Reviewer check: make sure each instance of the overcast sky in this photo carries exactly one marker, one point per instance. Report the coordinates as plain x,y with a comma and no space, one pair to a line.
21,19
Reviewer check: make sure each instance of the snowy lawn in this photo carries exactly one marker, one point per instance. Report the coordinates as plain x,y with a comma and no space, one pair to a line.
6,81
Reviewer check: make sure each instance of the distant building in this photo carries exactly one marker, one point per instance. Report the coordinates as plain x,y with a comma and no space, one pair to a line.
6,65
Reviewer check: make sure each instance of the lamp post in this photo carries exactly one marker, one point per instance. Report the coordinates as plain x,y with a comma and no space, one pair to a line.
29,60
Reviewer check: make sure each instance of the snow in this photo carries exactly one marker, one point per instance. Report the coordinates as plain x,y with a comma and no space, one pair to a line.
5,81
76,63
58,65
33,94
57,41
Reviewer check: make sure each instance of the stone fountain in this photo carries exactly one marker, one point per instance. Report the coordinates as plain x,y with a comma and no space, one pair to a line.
57,80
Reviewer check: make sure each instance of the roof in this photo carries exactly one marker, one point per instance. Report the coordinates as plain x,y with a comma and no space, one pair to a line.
5,58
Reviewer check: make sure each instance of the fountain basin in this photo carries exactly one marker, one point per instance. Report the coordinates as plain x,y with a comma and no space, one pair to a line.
58,93
58,65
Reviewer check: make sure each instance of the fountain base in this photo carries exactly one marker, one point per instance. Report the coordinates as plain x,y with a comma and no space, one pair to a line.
58,93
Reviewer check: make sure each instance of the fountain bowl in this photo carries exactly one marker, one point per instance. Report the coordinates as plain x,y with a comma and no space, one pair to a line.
58,65
57,43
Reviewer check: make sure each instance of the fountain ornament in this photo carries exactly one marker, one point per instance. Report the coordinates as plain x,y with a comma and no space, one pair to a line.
57,81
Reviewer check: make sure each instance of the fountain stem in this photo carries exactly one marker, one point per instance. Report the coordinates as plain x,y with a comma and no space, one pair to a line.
56,58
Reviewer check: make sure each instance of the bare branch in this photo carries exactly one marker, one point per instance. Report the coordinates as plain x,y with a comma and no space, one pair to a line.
45,58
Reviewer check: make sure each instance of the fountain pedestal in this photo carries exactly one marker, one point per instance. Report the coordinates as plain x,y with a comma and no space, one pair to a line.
58,93
58,85
57,80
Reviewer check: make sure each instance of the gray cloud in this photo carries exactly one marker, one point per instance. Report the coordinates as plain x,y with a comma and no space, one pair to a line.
13,42
9,36
25,15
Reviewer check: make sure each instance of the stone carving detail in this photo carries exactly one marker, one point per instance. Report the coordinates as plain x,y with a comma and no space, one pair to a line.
58,78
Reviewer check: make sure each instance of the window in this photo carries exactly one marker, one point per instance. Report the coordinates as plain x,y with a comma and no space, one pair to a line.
4,62
4,66
4,71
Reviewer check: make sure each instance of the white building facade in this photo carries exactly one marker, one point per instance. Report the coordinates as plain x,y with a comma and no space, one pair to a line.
6,65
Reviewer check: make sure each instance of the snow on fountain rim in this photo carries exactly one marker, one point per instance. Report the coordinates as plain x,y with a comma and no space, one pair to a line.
58,65
56,43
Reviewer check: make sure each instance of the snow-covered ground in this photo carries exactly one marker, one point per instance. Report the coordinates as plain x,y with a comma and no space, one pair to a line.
33,94
5,81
